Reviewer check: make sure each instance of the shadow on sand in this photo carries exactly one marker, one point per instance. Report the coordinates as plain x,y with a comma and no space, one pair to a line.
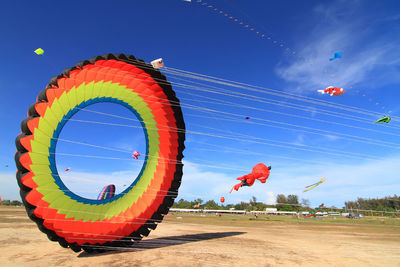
160,243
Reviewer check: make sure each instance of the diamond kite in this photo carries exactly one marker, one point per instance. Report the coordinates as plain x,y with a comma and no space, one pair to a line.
385,119
39,51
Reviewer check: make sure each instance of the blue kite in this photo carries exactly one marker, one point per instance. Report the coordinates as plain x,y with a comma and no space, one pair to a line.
335,56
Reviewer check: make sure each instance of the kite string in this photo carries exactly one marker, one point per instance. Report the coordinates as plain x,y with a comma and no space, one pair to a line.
278,93
241,94
314,130
229,103
189,132
258,32
230,93
265,90
357,138
290,146
241,85
234,133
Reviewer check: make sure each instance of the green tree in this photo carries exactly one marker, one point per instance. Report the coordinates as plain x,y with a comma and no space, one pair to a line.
285,208
242,206
253,201
16,203
199,200
5,202
281,198
182,204
211,204
305,202
293,199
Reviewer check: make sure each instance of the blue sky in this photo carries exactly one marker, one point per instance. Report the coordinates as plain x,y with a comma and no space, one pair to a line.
359,159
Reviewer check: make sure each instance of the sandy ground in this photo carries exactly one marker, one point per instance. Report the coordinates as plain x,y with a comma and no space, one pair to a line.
180,243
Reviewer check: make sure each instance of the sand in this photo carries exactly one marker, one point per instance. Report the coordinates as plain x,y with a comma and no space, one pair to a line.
180,242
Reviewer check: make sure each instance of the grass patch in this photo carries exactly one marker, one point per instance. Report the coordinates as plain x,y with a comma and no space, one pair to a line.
375,224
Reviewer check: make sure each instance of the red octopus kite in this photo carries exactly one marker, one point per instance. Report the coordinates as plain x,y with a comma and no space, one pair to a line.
259,172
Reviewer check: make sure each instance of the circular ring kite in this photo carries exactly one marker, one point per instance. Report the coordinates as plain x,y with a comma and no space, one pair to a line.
93,225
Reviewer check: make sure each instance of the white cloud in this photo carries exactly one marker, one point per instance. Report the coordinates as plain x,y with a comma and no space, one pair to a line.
299,140
392,18
364,52
344,182
89,185
332,137
270,198
84,184
8,186
313,111
197,183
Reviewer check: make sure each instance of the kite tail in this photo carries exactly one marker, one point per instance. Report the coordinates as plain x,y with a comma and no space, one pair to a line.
231,189
310,185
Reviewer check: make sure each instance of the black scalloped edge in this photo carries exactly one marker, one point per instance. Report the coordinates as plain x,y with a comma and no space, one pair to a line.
163,209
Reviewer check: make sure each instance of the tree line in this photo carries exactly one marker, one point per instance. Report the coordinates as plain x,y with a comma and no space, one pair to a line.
284,203
391,204
11,203
292,203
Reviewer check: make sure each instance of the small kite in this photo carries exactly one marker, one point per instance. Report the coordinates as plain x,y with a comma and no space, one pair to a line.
222,200
312,186
136,154
333,91
247,118
259,172
67,169
314,212
6,165
385,119
157,63
39,51
335,56
107,192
